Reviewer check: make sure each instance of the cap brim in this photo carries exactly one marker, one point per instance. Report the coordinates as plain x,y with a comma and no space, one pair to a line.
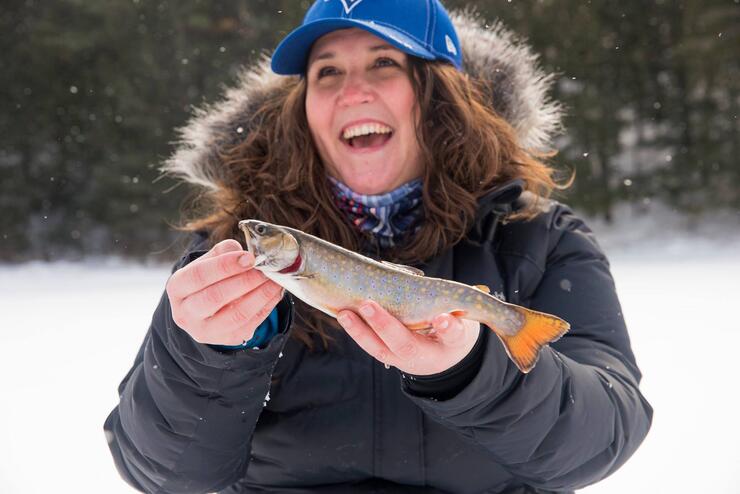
291,54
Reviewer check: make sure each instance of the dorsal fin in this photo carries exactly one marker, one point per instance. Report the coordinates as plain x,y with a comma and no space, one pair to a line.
483,288
403,267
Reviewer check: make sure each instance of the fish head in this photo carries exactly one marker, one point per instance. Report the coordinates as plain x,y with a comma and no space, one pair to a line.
274,248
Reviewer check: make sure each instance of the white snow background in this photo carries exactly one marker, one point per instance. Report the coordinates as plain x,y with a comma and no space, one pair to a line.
70,331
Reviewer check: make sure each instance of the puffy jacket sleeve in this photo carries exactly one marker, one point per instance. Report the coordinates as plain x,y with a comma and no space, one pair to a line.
187,411
578,415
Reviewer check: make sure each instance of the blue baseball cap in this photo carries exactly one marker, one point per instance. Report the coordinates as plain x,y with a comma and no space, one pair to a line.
417,27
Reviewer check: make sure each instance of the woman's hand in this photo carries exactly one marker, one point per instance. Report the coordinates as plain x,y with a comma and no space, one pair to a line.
219,299
389,341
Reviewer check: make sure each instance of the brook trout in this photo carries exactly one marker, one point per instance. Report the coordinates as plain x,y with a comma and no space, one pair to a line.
332,278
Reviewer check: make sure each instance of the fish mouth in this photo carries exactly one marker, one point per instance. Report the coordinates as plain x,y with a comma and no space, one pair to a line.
261,260
248,237
251,237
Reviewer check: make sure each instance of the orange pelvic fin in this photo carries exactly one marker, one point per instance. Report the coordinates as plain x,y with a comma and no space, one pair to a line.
538,330
332,310
482,288
458,313
417,326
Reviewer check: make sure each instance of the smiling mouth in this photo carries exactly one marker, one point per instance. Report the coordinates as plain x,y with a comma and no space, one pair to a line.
366,137
368,142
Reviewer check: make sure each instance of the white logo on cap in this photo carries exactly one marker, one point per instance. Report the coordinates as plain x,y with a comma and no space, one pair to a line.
450,44
350,4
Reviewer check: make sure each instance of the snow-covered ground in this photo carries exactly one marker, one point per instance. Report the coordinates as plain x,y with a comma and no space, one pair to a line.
69,333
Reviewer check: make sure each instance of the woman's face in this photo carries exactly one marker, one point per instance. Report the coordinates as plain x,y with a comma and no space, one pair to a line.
361,111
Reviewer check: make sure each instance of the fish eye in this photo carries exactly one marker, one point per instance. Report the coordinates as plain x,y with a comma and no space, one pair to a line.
260,229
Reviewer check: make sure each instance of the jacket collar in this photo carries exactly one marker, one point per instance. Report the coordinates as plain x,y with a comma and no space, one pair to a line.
491,208
467,261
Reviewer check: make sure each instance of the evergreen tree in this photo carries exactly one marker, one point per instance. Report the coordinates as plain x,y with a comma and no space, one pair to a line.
91,94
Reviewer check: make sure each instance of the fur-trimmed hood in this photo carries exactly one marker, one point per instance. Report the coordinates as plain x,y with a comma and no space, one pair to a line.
494,54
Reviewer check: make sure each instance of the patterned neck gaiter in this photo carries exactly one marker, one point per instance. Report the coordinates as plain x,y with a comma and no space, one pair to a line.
387,216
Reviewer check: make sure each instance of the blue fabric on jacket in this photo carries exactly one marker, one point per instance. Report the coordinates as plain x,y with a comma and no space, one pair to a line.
262,335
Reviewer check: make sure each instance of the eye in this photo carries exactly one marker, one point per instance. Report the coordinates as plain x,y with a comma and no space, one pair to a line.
386,62
326,71
260,229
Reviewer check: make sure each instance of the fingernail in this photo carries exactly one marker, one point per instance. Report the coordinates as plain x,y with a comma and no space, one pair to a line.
343,319
245,261
367,310
443,323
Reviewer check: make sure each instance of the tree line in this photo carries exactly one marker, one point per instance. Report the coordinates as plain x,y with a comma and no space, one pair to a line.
92,93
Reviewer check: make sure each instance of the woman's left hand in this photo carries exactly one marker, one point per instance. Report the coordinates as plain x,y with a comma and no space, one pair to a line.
386,338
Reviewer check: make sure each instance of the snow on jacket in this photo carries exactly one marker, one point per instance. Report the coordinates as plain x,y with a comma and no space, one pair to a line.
286,419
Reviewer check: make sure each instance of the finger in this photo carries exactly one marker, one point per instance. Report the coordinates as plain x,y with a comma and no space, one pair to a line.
402,342
208,301
224,246
365,337
205,272
246,313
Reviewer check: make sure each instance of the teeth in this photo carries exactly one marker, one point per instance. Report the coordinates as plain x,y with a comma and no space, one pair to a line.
365,129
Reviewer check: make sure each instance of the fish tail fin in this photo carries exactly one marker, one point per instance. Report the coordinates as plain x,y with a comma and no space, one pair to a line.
537,330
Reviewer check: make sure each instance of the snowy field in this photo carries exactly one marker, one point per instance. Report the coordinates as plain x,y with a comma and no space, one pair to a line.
69,332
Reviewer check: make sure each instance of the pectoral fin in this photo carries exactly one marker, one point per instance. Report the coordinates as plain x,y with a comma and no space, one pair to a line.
304,276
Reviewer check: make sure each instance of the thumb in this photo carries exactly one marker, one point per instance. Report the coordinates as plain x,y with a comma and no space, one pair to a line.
224,246
448,329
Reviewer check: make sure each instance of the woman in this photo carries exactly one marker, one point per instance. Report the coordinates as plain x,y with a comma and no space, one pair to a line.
387,143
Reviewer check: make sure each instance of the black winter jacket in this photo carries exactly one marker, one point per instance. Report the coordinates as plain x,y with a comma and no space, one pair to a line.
193,419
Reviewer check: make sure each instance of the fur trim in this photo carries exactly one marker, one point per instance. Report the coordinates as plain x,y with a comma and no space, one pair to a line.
519,85
491,53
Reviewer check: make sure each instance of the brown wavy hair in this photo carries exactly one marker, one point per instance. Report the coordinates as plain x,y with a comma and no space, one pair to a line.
275,173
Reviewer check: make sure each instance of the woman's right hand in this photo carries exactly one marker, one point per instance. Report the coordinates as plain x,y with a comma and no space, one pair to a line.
219,299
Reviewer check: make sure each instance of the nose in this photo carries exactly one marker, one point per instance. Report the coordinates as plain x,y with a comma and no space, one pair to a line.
355,91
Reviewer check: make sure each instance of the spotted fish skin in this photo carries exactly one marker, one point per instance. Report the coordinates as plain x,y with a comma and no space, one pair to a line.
331,278
339,280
